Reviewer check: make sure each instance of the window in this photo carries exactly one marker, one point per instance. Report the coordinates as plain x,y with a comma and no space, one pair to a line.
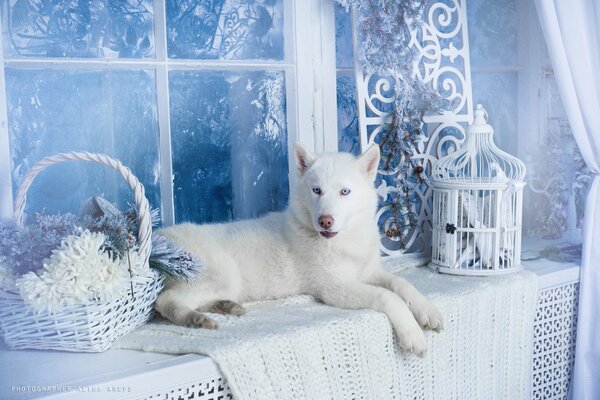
201,99
511,76
348,136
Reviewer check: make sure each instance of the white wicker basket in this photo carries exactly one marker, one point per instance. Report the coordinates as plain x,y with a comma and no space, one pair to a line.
92,327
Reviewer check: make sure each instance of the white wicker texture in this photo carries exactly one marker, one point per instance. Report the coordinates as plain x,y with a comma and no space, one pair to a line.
92,327
141,203
477,206
83,328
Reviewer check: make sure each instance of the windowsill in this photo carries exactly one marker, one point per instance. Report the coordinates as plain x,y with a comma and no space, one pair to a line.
92,375
555,261
96,375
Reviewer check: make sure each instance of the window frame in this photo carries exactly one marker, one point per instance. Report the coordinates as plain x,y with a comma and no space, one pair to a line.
308,67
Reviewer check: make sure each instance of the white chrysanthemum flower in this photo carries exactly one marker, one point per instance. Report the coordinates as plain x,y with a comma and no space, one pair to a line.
107,279
76,273
37,293
7,277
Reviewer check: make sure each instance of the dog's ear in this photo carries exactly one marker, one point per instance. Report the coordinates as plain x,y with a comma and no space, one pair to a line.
304,158
369,161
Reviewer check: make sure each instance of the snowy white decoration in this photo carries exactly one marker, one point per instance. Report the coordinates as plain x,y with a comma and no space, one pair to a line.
78,272
477,206
94,325
7,277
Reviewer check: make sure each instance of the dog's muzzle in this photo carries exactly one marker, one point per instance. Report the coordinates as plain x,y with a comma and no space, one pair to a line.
327,234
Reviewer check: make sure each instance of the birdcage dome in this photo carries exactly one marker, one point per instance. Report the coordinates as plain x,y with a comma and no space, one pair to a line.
477,196
479,160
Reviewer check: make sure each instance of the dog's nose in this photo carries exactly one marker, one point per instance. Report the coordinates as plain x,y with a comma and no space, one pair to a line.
326,221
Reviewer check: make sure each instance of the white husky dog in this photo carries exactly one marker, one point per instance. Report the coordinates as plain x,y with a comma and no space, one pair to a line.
325,244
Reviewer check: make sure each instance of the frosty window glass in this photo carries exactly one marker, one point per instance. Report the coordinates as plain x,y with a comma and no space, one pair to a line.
229,144
493,30
347,112
557,178
112,112
225,29
344,53
498,92
226,122
64,28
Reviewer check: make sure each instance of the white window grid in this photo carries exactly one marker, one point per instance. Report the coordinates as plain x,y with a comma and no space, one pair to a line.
308,66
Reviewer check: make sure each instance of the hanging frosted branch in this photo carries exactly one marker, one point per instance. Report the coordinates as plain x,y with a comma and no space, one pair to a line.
384,29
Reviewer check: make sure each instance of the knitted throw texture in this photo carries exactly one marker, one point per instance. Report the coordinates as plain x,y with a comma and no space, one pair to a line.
296,348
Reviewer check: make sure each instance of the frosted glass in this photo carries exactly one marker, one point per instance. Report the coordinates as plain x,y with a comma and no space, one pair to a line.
344,53
498,94
347,115
229,144
225,29
51,111
59,28
493,26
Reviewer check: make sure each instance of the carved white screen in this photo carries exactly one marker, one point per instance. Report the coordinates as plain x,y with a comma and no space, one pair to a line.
442,44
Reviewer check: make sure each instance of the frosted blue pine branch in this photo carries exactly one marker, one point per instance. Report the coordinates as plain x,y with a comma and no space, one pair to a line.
169,259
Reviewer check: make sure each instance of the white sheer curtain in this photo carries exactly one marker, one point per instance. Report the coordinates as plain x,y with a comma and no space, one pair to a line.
572,32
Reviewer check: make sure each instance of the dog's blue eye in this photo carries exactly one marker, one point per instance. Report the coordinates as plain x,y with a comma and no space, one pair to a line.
345,192
317,190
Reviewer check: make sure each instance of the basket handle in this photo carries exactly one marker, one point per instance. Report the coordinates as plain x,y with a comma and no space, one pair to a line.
141,203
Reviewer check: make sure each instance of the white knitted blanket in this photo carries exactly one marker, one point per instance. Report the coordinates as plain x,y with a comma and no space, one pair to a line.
296,348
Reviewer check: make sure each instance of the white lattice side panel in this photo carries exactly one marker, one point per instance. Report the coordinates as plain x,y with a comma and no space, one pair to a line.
208,389
554,341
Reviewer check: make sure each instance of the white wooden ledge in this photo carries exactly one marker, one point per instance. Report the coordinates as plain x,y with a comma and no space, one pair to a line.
127,374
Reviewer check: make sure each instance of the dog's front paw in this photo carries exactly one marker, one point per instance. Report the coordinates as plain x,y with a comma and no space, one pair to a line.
198,320
411,338
228,307
426,314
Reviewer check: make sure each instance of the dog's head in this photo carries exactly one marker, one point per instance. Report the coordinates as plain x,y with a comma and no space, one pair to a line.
336,189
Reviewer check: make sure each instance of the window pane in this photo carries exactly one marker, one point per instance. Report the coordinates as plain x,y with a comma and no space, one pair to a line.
347,115
225,29
51,111
493,26
498,94
229,141
344,53
60,28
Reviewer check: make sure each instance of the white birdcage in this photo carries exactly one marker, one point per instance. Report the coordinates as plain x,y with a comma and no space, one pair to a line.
477,206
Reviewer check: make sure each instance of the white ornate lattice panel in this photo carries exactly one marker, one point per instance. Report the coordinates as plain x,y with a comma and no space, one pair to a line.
554,342
209,389
442,45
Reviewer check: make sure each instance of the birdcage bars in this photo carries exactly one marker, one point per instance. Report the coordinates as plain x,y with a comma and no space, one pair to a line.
477,206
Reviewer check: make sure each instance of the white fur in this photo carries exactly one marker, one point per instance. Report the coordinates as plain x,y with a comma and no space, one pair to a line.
284,253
